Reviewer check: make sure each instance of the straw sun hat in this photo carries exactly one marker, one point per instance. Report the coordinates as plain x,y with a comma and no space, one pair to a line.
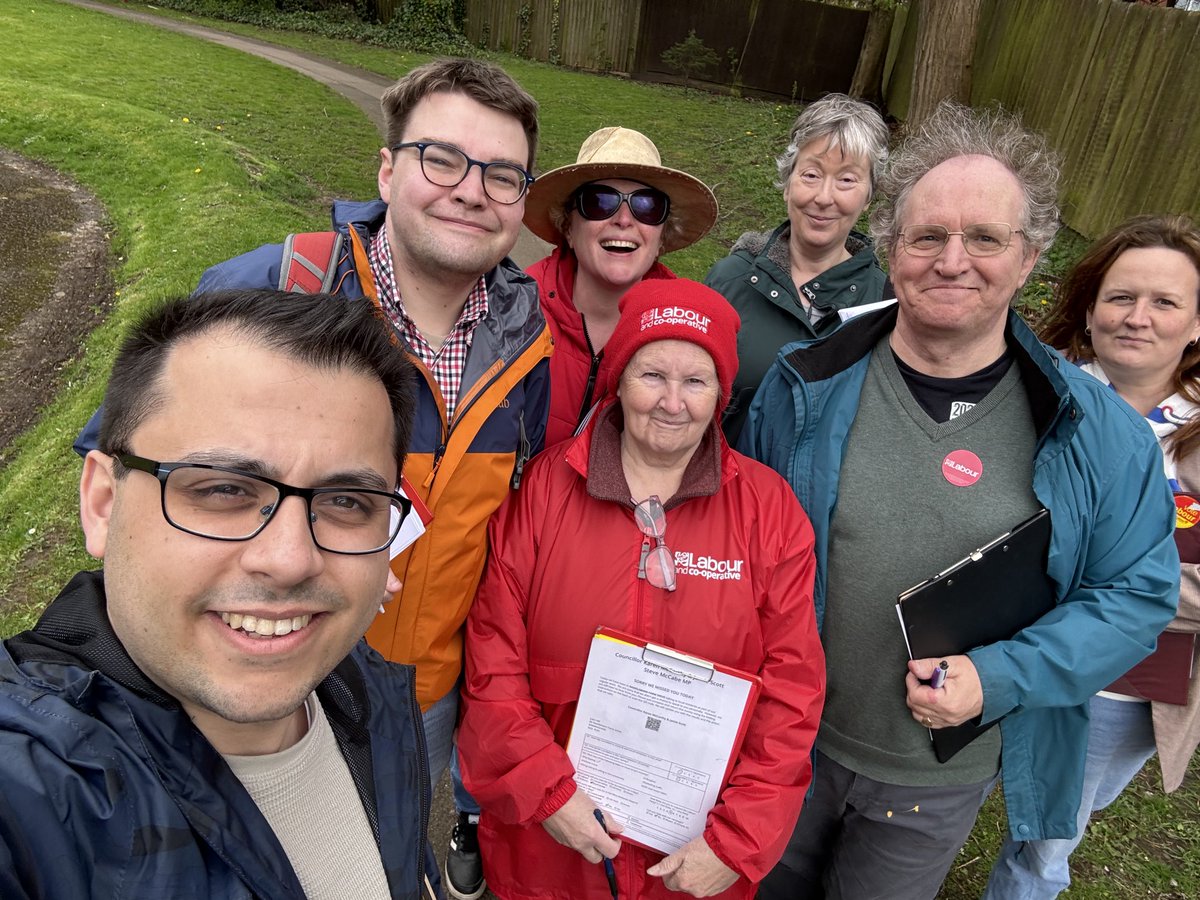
616,152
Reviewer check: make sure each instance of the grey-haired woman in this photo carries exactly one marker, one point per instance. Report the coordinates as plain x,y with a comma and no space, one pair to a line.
790,284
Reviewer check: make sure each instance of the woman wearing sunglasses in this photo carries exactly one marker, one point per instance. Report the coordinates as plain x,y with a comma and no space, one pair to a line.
610,215
1129,313
647,523
791,284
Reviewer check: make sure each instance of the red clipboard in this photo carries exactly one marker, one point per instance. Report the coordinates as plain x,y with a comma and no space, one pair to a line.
686,670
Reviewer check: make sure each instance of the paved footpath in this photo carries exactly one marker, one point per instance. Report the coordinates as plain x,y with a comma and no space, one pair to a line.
359,86
364,89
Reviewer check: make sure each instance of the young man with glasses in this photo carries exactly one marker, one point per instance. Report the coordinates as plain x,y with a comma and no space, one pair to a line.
460,142
913,436
201,717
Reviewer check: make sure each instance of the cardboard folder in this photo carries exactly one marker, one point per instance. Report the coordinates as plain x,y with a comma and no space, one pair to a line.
987,596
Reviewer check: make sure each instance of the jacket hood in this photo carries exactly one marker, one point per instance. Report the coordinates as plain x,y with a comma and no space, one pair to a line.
580,455
515,318
368,213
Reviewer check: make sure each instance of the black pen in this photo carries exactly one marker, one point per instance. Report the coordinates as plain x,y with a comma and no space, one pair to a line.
609,872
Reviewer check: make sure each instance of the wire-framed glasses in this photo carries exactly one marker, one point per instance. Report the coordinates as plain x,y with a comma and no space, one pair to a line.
657,562
227,504
446,166
985,239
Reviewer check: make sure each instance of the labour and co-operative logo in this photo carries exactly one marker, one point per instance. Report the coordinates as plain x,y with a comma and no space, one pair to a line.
675,315
688,563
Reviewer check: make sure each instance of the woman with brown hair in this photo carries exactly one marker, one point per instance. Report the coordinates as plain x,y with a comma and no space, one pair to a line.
610,215
1129,314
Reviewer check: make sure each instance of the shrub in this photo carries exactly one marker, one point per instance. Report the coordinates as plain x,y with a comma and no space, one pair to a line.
691,56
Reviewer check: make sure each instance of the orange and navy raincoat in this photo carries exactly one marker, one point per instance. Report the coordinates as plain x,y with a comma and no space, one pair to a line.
462,469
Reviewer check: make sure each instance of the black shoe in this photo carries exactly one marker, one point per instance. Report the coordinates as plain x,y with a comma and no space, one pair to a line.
464,868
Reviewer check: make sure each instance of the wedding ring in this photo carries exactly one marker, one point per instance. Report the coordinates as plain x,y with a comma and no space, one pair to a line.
928,722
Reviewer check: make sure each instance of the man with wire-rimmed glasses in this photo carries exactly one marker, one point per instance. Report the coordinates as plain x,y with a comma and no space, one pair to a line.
913,436
201,717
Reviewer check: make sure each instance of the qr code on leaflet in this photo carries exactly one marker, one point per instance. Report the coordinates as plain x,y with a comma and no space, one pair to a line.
652,723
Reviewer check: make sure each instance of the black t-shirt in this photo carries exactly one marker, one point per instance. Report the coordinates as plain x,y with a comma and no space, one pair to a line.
947,398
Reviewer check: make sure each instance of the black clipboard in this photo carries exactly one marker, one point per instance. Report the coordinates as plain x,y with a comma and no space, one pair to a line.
987,596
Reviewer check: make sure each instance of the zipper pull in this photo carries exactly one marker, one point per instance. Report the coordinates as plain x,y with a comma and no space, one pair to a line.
522,452
437,461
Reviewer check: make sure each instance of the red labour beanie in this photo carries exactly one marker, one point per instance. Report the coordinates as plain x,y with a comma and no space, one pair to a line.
665,309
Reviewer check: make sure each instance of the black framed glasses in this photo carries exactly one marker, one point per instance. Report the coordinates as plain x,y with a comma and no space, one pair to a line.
597,202
447,166
985,239
227,504
657,563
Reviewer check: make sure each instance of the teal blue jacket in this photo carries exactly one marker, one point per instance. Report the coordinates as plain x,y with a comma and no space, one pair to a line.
1097,468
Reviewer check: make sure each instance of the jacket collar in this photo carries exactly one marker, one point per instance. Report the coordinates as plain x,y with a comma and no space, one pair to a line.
1049,395
559,269
514,322
596,455
74,630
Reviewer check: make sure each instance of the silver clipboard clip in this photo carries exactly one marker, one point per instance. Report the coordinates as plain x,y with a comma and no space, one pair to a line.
679,663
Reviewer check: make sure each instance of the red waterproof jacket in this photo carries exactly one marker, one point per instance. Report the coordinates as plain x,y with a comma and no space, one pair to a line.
574,385
564,560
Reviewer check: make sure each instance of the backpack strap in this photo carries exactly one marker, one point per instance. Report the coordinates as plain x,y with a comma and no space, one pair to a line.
309,261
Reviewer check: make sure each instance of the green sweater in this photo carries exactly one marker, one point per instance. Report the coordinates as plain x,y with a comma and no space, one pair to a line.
898,521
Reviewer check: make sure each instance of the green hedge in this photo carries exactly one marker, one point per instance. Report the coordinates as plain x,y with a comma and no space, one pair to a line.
432,26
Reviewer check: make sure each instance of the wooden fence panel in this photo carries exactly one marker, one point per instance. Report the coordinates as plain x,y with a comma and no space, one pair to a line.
793,48
1113,85
898,69
799,49
597,35
601,35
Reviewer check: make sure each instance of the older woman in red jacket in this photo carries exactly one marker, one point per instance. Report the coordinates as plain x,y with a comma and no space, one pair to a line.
606,531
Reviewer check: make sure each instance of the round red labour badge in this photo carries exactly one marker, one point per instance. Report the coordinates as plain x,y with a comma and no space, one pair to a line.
962,468
1187,511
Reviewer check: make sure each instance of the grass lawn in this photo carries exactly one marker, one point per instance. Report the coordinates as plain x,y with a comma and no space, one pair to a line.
199,152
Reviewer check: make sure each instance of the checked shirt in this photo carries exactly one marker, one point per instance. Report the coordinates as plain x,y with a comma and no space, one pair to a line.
446,363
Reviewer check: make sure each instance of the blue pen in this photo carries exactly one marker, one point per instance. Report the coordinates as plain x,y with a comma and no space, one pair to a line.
609,872
939,675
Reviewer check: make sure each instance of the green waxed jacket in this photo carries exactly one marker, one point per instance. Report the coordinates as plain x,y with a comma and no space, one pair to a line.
756,279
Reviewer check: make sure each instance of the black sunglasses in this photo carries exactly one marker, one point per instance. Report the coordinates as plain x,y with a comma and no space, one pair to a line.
599,201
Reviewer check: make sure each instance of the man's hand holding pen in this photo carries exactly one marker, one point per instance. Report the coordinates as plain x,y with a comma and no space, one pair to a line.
959,699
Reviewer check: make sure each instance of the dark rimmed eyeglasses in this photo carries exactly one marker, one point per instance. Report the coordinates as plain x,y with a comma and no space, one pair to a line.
657,563
447,166
227,504
598,202
985,239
